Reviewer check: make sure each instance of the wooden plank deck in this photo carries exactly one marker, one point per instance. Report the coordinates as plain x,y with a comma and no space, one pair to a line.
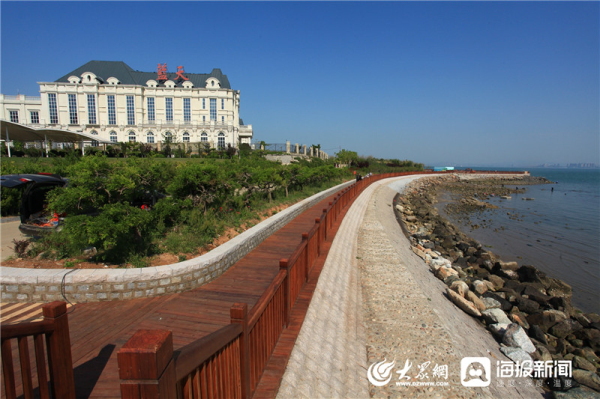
99,329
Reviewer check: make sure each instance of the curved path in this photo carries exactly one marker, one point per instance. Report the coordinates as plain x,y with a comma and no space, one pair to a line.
99,329
377,300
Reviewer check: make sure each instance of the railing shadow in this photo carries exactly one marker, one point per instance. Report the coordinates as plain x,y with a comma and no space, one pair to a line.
86,375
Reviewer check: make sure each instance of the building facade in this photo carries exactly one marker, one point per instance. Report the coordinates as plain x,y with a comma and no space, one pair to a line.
119,104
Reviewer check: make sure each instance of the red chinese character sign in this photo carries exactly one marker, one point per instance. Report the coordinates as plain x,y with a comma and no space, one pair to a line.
180,73
162,72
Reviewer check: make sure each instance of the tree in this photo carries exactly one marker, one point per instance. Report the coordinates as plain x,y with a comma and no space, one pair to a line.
346,157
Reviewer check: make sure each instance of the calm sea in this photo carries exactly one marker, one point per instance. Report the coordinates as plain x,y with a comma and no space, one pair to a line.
558,232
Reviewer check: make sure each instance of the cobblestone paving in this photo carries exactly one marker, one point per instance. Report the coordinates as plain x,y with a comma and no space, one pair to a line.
407,318
376,300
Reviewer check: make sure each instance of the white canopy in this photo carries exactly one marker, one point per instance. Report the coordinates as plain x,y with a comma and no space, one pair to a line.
18,132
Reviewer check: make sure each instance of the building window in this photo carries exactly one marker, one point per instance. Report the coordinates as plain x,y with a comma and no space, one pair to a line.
186,137
187,116
204,103
35,117
168,137
150,138
91,108
132,136
221,140
73,109
213,109
14,116
169,109
222,103
203,118
112,115
113,137
222,119
130,110
94,142
151,112
53,110
204,137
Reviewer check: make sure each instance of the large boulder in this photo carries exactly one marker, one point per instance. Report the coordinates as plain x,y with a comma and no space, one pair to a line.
444,272
565,327
460,287
496,280
537,333
471,296
587,378
462,303
516,337
506,266
494,316
546,319
527,305
591,337
516,354
479,287
504,304
529,274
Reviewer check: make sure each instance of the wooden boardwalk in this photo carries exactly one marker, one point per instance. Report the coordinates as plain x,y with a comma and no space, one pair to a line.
98,330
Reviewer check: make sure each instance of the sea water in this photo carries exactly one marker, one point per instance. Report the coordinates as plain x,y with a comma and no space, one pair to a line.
558,231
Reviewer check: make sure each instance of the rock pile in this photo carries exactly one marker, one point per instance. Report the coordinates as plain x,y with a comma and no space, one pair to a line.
529,314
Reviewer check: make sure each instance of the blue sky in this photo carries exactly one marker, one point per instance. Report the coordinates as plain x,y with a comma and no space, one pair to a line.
471,83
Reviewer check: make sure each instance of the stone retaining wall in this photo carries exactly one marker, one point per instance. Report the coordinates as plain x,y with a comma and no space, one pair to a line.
93,285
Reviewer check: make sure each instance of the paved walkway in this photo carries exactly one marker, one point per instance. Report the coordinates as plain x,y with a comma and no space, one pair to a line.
377,300
9,231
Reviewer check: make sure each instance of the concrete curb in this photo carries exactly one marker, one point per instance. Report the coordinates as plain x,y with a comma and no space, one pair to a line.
92,285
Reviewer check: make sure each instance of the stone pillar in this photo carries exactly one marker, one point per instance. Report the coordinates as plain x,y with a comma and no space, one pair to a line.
297,149
312,151
304,149
287,147
262,147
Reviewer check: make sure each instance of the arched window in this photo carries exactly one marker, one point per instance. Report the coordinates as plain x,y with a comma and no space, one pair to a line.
94,133
113,137
221,140
150,137
132,136
204,137
186,137
168,137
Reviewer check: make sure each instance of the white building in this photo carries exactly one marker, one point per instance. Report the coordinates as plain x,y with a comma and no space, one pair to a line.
119,104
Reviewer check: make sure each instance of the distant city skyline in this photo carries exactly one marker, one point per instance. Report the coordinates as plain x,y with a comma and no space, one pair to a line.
441,83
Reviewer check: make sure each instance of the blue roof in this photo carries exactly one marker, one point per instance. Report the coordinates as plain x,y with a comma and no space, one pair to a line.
128,76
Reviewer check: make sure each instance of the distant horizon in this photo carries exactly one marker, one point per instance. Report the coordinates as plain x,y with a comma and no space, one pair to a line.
500,83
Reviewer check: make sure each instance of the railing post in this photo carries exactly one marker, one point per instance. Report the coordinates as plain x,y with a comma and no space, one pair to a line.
58,345
306,256
318,234
239,314
283,265
146,366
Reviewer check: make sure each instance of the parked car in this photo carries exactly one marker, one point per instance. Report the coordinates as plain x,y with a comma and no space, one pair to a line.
36,219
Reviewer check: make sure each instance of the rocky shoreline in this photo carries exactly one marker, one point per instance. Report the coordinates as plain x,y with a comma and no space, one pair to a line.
528,313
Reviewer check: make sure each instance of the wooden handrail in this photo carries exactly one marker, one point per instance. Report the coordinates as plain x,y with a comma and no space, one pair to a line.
26,329
190,356
263,301
55,330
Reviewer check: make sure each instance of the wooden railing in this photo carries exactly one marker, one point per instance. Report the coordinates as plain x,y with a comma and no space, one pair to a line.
53,333
229,362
